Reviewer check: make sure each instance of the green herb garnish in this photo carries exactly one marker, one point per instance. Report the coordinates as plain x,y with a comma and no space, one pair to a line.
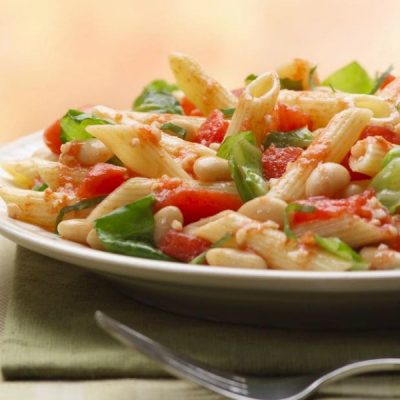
297,138
176,130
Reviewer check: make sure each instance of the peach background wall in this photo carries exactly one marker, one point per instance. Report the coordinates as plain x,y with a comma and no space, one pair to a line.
55,54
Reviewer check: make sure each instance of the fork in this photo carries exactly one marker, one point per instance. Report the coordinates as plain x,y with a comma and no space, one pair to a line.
231,385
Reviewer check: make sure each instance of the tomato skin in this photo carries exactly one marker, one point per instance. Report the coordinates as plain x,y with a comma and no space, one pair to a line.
288,118
52,137
101,180
212,130
386,133
326,208
189,108
275,160
197,203
389,78
182,246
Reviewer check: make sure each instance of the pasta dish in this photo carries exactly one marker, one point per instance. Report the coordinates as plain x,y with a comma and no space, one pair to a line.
286,172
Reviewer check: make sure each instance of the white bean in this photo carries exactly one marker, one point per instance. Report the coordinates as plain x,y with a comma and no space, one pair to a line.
93,240
92,152
234,258
327,179
76,230
354,188
211,169
265,208
164,220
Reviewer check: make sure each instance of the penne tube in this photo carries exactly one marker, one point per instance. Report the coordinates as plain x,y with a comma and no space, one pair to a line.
281,253
138,147
206,93
235,259
331,145
367,155
353,230
381,257
24,172
255,103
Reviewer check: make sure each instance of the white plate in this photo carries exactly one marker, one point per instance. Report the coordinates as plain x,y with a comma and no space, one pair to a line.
289,298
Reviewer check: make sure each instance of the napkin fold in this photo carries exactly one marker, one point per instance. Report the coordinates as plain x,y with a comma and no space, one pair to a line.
50,333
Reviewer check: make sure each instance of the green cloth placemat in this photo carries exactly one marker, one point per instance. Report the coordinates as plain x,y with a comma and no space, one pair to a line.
50,333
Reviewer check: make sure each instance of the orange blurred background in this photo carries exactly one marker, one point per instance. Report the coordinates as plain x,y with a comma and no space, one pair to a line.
60,54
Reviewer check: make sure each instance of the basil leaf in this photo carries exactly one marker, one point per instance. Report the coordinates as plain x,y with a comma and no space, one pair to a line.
229,142
296,138
380,79
82,205
40,187
310,77
351,78
387,185
228,112
250,78
74,123
157,97
201,258
175,129
391,155
342,250
294,207
291,84
133,221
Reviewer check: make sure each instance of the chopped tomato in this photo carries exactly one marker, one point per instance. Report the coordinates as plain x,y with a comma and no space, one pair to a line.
275,160
182,246
52,137
197,203
288,118
101,180
389,78
326,208
213,129
386,133
189,108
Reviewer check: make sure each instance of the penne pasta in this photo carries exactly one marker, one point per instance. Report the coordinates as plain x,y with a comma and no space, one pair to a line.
23,172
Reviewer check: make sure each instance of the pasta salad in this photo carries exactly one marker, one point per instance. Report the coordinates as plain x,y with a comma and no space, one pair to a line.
286,172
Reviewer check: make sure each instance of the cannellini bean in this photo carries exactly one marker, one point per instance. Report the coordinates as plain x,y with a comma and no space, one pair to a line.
327,179
76,230
93,240
234,258
381,257
165,219
93,151
265,208
354,188
211,169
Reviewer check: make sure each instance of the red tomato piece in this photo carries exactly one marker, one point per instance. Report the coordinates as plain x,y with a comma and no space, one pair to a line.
386,133
213,129
275,160
389,78
189,108
354,176
197,203
52,137
326,208
182,246
101,180
288,118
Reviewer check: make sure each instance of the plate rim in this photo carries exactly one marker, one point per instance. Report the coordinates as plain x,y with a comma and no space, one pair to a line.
60,249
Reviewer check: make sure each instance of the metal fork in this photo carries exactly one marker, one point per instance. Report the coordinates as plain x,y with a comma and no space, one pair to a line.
235,386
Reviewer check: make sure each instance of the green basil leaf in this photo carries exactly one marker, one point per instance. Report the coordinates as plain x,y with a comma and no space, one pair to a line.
342,250
157,97
40,187
74,124
296,138
82,205
133,221
175,129
230,142
387,185
310,77
294,207
380,79
391,155
201,258
351,78
291,84
228,112
250,78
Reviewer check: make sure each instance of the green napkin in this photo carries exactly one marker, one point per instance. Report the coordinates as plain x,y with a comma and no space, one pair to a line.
50,333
